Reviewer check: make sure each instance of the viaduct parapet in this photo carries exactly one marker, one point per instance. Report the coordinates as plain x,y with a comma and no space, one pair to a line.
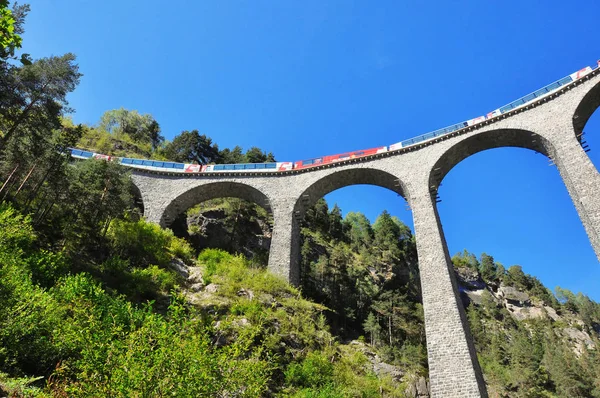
551,126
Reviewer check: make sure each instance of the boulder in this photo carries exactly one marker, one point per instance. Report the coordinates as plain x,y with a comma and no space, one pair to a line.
469,278
385,369
514,296
552,313
180,267
418,389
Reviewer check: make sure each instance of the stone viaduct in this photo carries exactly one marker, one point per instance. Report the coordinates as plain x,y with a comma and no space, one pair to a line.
551,126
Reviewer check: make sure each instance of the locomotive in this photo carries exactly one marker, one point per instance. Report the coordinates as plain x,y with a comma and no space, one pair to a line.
273,167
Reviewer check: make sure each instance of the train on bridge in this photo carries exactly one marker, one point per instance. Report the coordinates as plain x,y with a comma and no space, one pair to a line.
172,167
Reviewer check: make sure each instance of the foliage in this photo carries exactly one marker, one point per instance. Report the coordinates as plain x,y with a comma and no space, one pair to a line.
146,243
191,147
11,28
122,123
533,357
91,303
37,97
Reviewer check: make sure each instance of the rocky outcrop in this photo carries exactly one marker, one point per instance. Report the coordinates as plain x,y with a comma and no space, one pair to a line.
522,307
418,386
214,228
580,339
469,279
514,296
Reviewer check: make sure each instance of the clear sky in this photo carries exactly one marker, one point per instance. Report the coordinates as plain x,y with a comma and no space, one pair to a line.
311,78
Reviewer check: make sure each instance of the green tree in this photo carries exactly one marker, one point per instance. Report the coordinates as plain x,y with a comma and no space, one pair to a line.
516,277
140,128
232,156
372,326
487,267
465,259
98,192
360,231
335,222
190,146
257,155
11,29
318,216
38,97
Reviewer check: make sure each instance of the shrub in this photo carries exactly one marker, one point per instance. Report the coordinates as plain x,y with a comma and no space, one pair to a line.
140,242
314,371
148,281
180,248
146,243
15,229
47,267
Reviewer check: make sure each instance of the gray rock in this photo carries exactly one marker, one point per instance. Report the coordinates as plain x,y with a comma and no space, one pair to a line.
469,279
212,288
180,267
514,296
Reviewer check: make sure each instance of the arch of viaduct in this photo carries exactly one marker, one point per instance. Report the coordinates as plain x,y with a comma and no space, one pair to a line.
551,126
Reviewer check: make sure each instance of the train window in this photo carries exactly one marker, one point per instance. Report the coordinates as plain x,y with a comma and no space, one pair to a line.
137,161
147,162
229,167
75,152
307,162
218,167
239,166
541,92
158,164
178,166
565,80
87,154
528,98
270,165
126,161
252,166
168,165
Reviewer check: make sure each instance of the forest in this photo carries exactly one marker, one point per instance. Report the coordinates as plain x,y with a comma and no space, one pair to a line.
95,301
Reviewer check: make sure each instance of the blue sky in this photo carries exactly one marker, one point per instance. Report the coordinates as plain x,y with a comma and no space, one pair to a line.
304,79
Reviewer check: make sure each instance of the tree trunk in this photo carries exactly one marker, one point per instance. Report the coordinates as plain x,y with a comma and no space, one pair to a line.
9,178
9,133
25,180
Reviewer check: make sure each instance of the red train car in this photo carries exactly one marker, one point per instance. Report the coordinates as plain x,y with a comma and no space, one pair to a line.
337,158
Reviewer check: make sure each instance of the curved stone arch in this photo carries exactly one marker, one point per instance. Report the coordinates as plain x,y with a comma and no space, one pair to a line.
329,183
212,190
490,139
345,178
586,108
138,197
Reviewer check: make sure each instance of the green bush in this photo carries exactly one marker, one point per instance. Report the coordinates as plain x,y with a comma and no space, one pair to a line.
144,243
47,267
29,317
148,281
180,248
140,242
15,229
315,370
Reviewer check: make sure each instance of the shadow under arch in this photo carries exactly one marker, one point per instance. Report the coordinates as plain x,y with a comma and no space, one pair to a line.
586,108
202,193
344,178
138,199
483,141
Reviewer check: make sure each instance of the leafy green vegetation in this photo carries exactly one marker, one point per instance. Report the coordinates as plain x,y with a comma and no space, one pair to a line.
94,301
526,350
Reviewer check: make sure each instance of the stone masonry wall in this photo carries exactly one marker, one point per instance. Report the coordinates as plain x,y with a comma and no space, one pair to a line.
548,126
